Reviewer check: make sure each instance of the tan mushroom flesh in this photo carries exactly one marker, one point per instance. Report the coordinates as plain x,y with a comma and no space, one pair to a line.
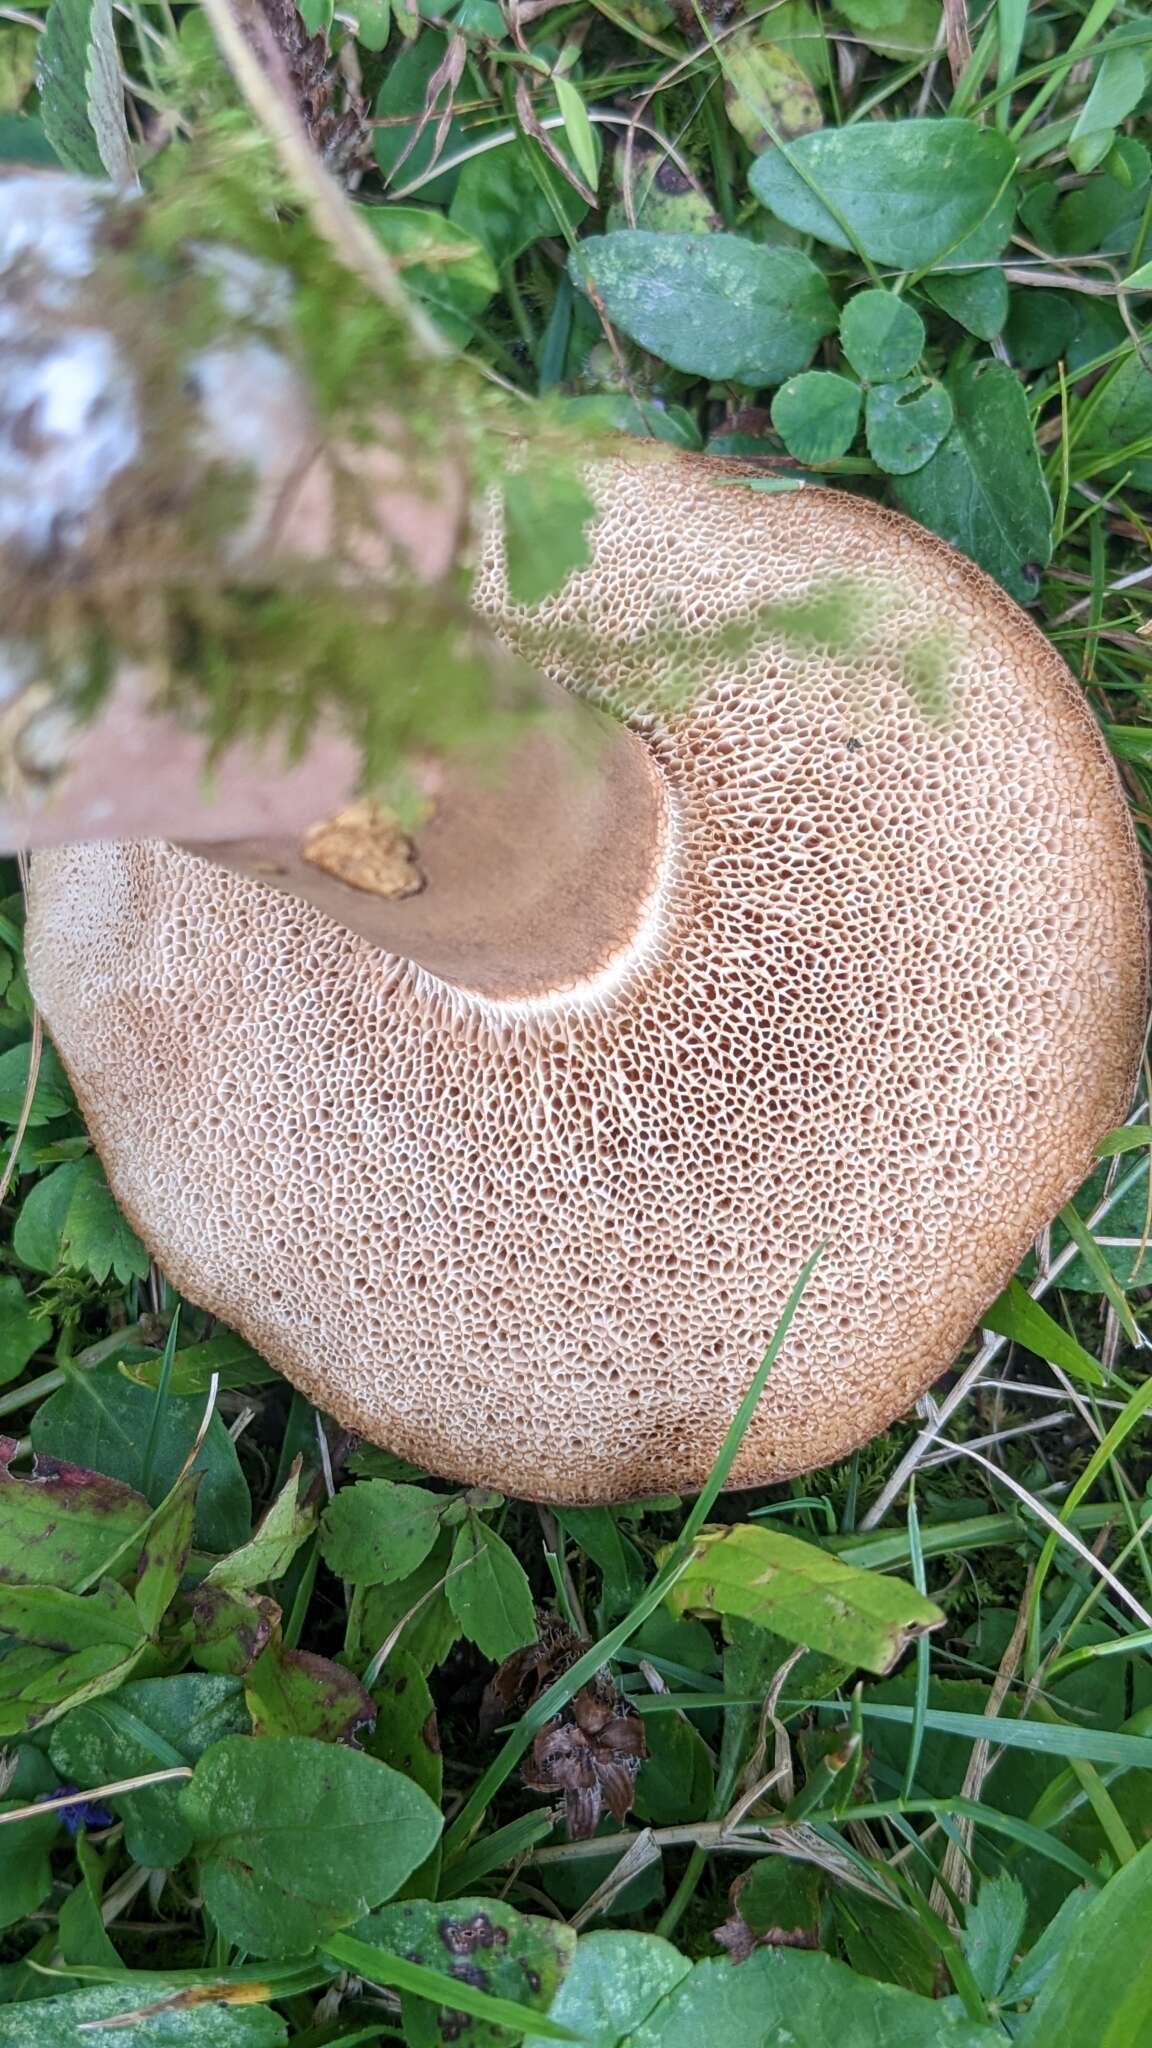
881,992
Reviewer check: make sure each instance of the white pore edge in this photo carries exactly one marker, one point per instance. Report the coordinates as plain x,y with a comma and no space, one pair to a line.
616,971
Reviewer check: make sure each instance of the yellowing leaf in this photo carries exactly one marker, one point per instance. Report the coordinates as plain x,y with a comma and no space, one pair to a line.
767,93
804,1594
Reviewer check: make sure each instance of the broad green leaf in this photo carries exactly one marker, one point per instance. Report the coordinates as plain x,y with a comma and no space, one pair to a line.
67,2022
53,1096
82,1935
896,28
81,90
22,1331
442,264
983,489
506,200
597,1532
100,1418
612,1985
1015,1315
714,305
1117,88
151,1724
675,1782
490,1595
803,1594
373,20
406,1735
781,1995
486,1945
994,1929
420,1602
273,1545
1098,1991
905,423
295,1692
25,1865
70,1219
816,415
975,299
381,1966
59,1523
297,1838
547,514
17,65
377,1532
881,335
909,193
65,1649
399,108
165,1554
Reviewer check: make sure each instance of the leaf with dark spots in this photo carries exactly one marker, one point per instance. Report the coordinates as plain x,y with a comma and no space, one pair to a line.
479,1942
293,1692
227,1631
59,1522
71,1648
166,1552
406,1734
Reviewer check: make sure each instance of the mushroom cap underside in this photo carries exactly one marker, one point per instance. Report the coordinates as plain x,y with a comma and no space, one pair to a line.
888,997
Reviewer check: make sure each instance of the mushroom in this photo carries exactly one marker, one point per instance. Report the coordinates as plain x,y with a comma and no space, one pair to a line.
835,938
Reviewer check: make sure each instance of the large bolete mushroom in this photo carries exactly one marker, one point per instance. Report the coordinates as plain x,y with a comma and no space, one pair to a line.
838,940
882,992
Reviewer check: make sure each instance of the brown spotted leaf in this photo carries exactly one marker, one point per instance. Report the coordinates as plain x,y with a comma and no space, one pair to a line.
484,1944
59,1522
294,1692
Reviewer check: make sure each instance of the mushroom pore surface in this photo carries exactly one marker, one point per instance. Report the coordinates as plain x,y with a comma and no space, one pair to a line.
887,998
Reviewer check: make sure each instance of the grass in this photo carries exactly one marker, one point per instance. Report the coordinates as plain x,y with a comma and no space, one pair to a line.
946,1836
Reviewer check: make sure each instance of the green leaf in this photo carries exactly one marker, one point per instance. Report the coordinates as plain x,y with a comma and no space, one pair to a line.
905,423
80,1927
81,90
782,1995
294,1692
227,1631
994,1930
1121,416
273,1545
1117,89
72,1648
490,1596
378,1531
816,415
428,1633
881,335
578,128
403,94
613,412
1015,1315
481,1943
379,1966
506,199
613,1984
165,1553
297,1838
675,1782
406,1734
22,1331
1098,1991
59,1523
64,2022
803,1594
441,263
102,1419
714,305
151,1724
909,193
983,489
896,28
25,1866
53,1096
975,299
546,518
70,1219
225,1357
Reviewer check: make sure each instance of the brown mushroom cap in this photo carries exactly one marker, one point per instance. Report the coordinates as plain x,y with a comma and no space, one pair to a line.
888,997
